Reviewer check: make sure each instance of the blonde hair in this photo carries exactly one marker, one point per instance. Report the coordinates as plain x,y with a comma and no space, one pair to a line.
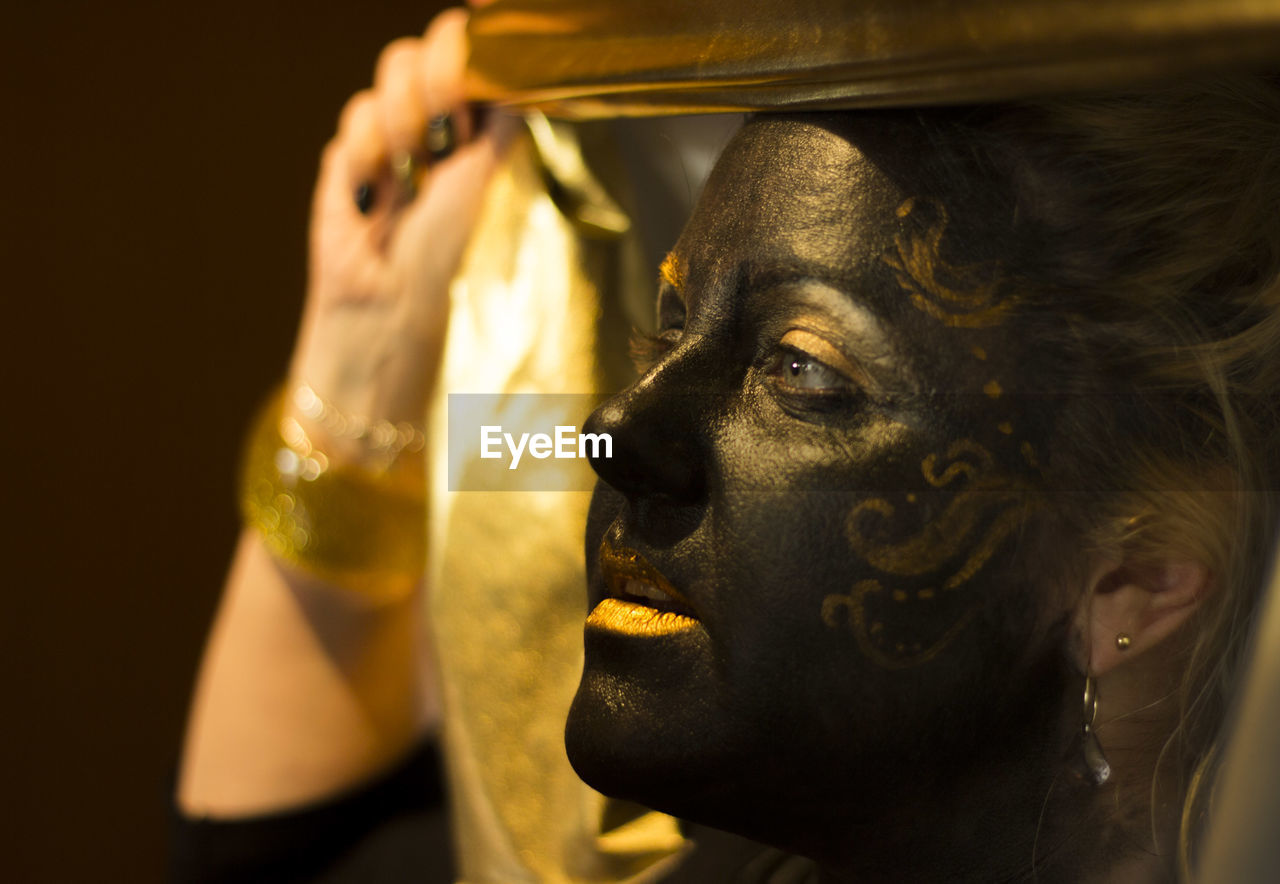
1156,223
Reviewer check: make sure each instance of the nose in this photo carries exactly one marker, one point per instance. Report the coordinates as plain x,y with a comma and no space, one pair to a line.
658,429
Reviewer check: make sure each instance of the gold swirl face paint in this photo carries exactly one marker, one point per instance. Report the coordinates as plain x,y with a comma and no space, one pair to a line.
927,549
933,563
956,295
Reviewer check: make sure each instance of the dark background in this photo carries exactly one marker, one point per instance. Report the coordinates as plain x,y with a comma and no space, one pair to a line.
158,162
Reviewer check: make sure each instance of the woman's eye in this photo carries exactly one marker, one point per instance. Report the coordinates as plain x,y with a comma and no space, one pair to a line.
800,371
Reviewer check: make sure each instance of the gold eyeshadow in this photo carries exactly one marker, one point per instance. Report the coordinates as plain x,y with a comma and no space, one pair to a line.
821,349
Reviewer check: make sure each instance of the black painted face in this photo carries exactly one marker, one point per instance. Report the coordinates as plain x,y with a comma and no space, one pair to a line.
807,610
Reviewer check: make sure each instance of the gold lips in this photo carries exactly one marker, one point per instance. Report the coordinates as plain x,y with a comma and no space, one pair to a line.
633,618
625,613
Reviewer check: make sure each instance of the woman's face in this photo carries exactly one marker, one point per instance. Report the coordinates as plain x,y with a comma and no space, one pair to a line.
805,601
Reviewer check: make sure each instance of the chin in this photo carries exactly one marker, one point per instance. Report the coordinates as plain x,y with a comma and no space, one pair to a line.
614,751
621,746
677,760
616,745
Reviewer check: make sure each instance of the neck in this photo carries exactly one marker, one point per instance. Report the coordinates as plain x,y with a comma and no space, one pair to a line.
997,826
1033,819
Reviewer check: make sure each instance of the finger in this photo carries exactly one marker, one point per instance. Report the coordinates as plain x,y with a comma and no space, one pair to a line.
445,50
444,62
399,89
361,139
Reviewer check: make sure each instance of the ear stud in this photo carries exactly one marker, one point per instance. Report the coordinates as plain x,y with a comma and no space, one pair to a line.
1123,640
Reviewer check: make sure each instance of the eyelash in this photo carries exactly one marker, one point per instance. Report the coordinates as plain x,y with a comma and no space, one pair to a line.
648,348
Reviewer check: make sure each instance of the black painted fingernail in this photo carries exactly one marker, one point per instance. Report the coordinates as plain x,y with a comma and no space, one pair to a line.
364,197
441,138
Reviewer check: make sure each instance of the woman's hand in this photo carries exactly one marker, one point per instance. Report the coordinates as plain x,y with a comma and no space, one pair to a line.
385,245
306,688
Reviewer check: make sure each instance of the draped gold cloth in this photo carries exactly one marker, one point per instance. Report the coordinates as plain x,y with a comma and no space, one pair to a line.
587,58
507,581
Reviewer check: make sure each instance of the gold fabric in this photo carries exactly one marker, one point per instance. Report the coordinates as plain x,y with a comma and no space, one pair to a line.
507,582
587,58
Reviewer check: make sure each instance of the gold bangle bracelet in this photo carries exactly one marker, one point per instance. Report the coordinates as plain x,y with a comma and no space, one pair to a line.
355,528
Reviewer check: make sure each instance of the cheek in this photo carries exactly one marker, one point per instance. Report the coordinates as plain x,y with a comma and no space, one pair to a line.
898,571
933,555
787,676
818,671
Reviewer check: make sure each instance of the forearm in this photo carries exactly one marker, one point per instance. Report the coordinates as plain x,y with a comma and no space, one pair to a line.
306,689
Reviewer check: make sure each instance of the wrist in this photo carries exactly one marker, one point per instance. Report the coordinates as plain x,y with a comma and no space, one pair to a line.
354,524
366,360
349,439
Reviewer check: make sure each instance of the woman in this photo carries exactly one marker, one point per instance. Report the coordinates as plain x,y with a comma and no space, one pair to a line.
932,526
952,417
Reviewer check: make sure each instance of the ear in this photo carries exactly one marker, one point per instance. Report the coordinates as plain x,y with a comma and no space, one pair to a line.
1146,602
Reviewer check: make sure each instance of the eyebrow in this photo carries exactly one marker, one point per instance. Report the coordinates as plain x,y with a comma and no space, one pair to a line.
764,276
